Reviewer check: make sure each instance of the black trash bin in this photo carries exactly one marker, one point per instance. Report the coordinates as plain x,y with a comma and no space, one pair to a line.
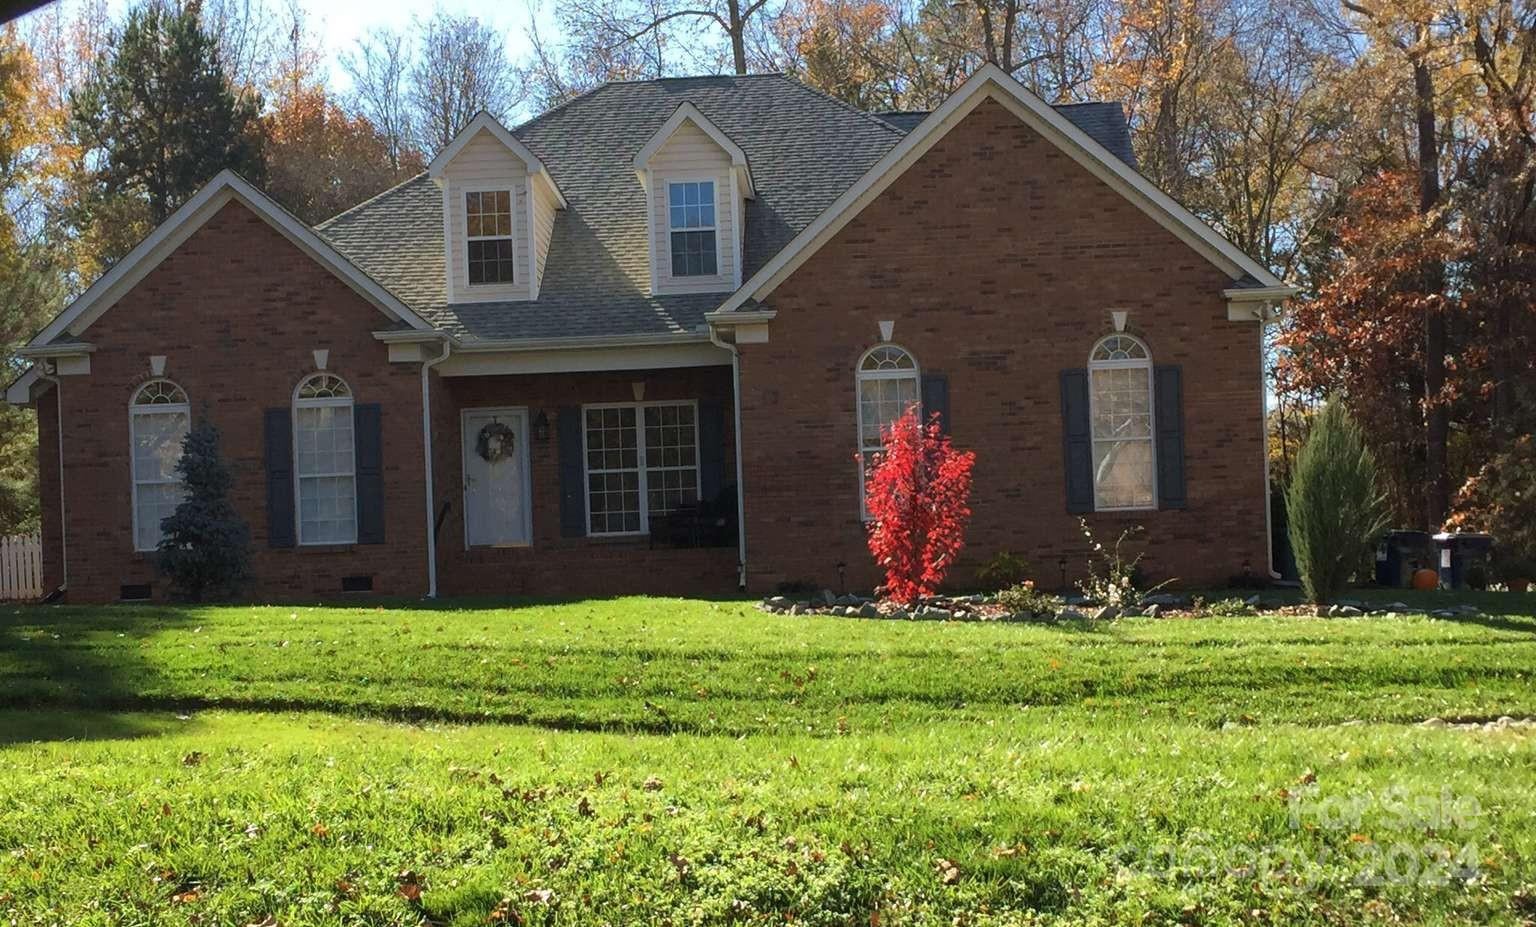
1399,554
1463,559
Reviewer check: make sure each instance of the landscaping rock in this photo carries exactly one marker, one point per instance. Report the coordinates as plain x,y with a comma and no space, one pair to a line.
1346,611
1152,611
1107,613
1169,600
939,614
866,610
848,599
900,614
797,609
779,601
1252,601
1131,611
828,597
1079,600
1070,614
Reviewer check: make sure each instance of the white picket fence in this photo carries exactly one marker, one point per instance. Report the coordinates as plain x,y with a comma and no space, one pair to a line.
21,566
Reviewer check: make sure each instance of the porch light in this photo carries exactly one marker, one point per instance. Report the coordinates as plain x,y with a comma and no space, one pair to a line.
541,426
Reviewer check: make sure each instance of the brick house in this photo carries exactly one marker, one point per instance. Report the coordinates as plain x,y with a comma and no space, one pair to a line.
639,343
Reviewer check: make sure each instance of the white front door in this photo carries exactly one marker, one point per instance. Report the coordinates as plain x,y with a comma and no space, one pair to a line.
495,443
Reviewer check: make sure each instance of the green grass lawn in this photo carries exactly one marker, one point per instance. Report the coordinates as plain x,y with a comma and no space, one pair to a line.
637,761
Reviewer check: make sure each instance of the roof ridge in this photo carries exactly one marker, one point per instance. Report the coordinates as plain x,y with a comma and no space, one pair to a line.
562,105
324,223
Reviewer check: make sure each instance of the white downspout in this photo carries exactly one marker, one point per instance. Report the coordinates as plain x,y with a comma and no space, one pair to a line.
58,396
741,495
426,452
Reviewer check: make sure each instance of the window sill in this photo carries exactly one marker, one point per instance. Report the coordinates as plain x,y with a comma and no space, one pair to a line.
326,548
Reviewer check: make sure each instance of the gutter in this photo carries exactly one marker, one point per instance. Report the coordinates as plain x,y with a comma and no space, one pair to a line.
741,495
426,451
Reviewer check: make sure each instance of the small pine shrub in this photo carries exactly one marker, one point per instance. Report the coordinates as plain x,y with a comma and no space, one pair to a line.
205,544
1334,507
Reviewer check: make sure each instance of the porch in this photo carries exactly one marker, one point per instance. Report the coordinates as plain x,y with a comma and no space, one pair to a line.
585,483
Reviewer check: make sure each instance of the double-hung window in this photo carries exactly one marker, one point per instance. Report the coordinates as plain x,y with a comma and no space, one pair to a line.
158,419
642,462
887,383
325,461
691,221
1120,404
488,236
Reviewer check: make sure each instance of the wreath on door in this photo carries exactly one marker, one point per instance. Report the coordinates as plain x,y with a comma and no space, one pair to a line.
495,442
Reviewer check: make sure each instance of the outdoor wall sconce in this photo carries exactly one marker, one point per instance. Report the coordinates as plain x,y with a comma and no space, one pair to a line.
541,426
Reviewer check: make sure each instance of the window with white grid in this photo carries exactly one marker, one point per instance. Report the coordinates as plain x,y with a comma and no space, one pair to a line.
642,461
887,388
1120,404
158,418
325,461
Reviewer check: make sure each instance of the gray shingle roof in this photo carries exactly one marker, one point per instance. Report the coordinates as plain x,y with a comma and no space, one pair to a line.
804,149
1104,123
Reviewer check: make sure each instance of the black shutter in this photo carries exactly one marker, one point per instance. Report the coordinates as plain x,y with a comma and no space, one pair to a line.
1077,440
935,388
370,473
1168,390
711,450
278,428
573,483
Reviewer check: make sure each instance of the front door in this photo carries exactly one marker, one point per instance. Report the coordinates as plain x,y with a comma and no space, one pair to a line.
495,445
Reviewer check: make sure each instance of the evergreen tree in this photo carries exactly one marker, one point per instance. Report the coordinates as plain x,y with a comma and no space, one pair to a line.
159,115
1334,509
205,544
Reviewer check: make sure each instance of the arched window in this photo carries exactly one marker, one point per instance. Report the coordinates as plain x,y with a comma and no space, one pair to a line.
158,419
324,463
887,382
1120,403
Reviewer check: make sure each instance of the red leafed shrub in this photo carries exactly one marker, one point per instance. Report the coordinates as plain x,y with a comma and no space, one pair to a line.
918,497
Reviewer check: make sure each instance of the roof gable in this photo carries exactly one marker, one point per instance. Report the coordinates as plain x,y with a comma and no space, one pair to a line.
176,229
686,112
485,122
991,82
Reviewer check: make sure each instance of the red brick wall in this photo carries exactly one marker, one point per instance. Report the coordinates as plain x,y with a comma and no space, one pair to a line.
998,258
237,310
555,565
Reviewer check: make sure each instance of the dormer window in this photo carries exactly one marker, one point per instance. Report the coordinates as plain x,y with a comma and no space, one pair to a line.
691,218
488,236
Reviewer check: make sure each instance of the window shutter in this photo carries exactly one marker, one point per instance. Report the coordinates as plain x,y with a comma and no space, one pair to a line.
573,483
711,450
278,428
935,390
370,473
1077,440
1168,399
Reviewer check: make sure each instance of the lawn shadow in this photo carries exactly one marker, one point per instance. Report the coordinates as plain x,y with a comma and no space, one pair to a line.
43,725
62,656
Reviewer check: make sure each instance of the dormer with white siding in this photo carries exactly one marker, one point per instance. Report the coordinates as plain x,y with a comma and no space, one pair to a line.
499,207
697,182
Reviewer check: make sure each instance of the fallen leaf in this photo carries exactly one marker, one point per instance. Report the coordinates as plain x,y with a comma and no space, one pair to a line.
948,870
651,784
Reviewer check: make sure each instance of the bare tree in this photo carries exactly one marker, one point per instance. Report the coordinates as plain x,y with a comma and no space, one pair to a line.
650,34
379,67
460,69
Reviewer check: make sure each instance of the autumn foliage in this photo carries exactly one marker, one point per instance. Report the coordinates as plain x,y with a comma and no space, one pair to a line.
918,496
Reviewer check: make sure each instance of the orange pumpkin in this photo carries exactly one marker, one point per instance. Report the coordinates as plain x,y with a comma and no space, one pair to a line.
1426,579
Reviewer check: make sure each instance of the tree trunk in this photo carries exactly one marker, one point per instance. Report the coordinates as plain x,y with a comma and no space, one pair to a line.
1436,417
738,37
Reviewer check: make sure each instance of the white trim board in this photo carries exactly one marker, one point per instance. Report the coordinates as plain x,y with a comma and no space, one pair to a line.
169,235
991,82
